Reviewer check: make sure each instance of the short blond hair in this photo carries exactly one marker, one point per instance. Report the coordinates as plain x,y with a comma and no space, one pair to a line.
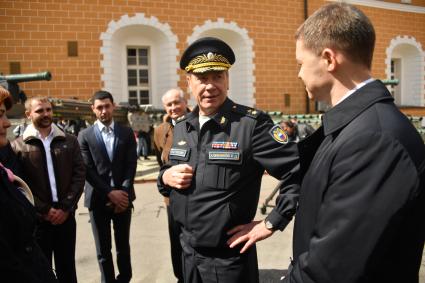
35,98
341,26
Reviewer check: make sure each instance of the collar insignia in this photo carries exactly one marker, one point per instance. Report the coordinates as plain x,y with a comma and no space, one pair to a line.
181,143
223,120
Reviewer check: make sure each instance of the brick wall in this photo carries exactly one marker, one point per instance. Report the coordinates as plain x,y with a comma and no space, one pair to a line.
35,33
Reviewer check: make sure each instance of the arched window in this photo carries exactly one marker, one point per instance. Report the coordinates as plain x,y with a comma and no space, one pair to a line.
241,88
139,59
405,62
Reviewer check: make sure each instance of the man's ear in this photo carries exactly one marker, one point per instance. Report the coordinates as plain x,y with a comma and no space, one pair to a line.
330,58
27,114
227,79
187,79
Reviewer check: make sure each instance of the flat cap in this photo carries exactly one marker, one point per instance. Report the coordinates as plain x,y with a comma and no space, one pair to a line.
207,54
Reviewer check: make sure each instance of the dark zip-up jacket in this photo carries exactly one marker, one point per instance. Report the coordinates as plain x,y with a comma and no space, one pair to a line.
67,163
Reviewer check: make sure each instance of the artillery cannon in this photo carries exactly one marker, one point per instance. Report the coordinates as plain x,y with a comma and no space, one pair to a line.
10,82
20,78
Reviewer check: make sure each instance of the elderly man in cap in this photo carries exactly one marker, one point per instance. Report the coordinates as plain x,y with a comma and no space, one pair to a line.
219,153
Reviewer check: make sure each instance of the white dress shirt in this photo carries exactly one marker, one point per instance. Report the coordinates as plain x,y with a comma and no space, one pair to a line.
50,170
358,86
108,137
203,119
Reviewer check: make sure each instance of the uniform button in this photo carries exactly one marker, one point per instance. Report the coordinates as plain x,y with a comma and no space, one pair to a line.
28,249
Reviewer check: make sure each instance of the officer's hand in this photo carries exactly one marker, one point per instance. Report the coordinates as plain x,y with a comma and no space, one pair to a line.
178,176
249,233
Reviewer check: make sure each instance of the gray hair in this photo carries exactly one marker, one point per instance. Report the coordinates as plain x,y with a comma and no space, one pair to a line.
181,93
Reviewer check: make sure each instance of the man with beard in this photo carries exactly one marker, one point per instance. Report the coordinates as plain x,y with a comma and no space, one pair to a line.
109,152
53,167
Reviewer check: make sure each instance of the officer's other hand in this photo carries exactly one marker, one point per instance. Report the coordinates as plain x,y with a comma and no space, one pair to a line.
178,176
249,234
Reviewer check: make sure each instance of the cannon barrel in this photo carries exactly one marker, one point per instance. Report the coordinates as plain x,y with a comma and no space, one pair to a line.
19,78
392,82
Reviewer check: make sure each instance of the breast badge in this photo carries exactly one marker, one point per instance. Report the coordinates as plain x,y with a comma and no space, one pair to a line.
224,145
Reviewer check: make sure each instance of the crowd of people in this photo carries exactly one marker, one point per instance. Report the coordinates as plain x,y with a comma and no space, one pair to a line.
355,185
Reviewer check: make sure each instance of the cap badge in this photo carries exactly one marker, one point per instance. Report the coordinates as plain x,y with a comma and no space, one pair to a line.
209,61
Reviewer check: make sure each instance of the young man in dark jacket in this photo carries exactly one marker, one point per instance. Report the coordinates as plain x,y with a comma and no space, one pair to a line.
109,153
361,215
53,167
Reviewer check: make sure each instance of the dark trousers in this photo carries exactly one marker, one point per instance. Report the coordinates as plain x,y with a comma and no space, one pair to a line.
58,241
174,231
101,219
219,265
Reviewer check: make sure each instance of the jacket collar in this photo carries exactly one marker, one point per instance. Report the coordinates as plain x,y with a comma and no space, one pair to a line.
32,133
221,118
168,119
343,113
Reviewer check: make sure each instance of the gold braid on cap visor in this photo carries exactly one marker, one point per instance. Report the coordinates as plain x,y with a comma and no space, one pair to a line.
210,60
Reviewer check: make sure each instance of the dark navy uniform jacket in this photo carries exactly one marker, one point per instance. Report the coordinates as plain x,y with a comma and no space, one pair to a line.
361,215
229,155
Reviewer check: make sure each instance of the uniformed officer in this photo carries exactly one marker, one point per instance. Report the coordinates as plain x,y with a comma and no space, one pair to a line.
218,157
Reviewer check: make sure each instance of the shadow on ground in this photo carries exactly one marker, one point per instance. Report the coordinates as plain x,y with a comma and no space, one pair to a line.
271,275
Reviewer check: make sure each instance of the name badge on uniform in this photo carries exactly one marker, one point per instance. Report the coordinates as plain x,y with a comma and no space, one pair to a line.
178,152
224,155
224,145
